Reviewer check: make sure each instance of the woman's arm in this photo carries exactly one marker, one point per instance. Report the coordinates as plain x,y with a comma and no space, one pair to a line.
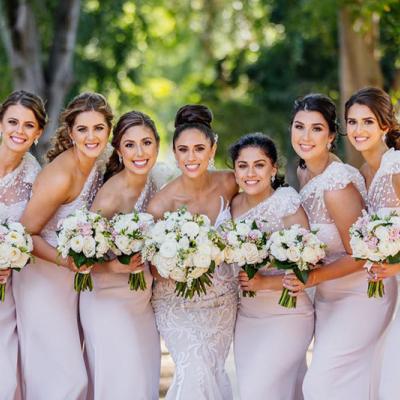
50,191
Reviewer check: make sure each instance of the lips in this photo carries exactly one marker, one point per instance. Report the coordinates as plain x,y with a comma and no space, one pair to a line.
361,139
91,146
17,139
192,167
306,147
140,163
251,182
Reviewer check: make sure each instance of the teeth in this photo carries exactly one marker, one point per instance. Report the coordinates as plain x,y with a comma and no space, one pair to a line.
91,145
306,147
18,139
192,167
140,163
360,139
251,182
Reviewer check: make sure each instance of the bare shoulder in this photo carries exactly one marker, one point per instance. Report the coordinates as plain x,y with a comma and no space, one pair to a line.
226,180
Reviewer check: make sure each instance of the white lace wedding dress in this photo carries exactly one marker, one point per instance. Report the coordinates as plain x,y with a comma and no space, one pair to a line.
198,333
15,190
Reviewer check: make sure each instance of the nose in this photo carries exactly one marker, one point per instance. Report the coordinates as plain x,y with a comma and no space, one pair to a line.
191,155
251,171
307,133
139,150
91,134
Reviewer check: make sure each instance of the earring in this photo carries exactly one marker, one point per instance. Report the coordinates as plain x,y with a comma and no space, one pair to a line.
329,146
119,159
36,141
73,142
211,163
272,178
384,138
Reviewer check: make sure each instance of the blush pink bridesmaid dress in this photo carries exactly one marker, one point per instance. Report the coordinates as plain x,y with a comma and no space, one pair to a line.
15,190
348,324
271,341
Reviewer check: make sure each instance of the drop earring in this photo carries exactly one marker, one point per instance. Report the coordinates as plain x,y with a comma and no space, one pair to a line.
329,146
384,138
119,158
272,178
36,141
211,163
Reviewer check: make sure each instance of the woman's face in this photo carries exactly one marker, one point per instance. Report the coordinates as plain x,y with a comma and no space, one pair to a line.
254,170
363,128
193,151
90,133
20,128
138,149
310,135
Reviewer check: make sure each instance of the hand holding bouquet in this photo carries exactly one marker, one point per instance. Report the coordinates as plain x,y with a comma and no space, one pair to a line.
84,236
246,246
376,238
15,249
128,234
185,248
295,250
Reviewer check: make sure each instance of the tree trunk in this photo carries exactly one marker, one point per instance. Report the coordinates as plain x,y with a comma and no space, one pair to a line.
359,63
50,80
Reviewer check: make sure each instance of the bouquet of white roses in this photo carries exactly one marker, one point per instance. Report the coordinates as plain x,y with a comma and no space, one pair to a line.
128,234
295,250
185,248
15,249
246,246
84,236
376,238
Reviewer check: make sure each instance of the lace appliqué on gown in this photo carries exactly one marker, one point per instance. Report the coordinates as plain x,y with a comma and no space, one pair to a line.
198,333
15,188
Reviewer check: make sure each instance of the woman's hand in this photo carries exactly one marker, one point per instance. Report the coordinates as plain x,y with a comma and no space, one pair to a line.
4,274
135,265
253,284
293,284
382,271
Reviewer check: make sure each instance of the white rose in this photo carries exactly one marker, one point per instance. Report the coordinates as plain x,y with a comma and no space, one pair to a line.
217,255
69,223
278,252
178,274
205,248
4,254
123,243
22,261
89,246
169,249
293,254
16,226
190,229
229,255
15,238
250,252
232,238
102,245
388,248
14,254
310,255
164,265
183,243
201,260
382,233
239,257
136,246
76,243
242,229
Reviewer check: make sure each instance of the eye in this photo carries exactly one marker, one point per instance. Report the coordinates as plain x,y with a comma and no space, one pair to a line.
129,145
200,148
30,126
317,129
298,126
242,166
82,129
182,149
260,165
99,128
148,142
12,122
369,122
351,122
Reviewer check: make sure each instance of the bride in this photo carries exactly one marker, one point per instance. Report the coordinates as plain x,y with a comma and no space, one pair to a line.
198,332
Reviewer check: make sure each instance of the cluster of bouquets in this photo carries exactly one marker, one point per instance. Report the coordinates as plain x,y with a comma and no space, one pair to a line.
376,238
185,248
295,250
246,246
84,236
128,233
15,249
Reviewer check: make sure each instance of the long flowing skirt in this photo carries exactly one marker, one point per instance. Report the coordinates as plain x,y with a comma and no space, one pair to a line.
121,339
198,334
47,318
349,327
8,346
270,346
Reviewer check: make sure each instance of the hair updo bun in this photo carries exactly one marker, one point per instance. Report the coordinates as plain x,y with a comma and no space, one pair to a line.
194,116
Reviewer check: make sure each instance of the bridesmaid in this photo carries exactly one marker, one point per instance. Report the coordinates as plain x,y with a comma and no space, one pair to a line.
373,130
121,337
348,323
270,341
197,332
22,119
47,305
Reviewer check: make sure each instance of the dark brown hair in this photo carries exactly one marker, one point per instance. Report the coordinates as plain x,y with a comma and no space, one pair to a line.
81,103
378,101
322,104
195,116
126,121
28,100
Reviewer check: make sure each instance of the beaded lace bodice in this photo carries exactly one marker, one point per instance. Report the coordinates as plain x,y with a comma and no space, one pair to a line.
283,202
335,177
381,193
16,187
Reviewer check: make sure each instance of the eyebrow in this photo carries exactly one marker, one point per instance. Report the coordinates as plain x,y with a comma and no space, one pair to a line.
256,161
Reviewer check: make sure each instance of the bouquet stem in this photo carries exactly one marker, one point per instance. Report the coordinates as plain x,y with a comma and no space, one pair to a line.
287,300
198,286
2,292
376,289
137,281
83,281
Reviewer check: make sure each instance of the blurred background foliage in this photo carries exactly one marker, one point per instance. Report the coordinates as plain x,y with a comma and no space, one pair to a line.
248,60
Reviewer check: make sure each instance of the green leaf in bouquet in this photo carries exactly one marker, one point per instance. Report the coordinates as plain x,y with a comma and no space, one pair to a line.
251,270
283,264
394,259
301,275
124,259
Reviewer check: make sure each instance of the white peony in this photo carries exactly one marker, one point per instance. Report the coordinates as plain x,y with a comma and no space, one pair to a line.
250,252
232,239
136,246
76,243
183,243
169,249
164,265
178,274
190,229
310,255
15,238
14,254
293,254
382,233
89,246
201,260
278,252
123,243
242,228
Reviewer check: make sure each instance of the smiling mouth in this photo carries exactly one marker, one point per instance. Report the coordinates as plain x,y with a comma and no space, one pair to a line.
140,163
306,147
361,139
17,139
192,167
251,182
91,146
